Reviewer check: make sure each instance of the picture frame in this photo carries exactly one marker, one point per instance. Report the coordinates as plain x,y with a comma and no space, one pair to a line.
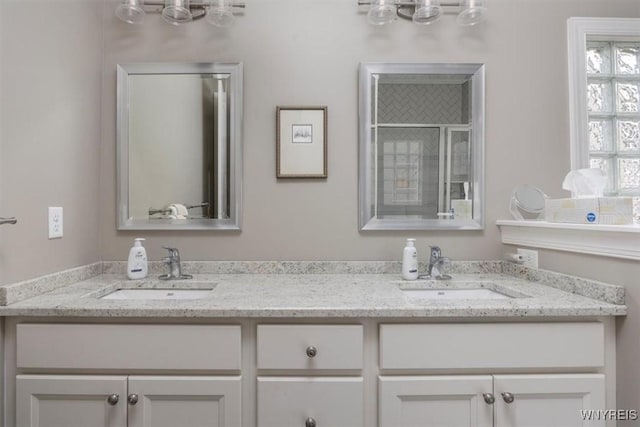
301,142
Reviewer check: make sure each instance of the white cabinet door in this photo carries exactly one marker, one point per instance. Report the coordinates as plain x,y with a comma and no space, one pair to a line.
310,401
548,400
71,401
442,401
165,401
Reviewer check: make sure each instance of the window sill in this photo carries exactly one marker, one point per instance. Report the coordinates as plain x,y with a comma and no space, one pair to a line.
618,241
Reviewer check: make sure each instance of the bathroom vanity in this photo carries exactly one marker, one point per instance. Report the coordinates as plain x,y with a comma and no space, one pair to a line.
315,350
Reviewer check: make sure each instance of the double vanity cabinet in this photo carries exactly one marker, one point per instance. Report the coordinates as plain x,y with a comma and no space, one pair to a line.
322,349
311,372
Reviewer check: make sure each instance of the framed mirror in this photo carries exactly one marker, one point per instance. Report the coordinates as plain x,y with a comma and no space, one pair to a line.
421,146
179,146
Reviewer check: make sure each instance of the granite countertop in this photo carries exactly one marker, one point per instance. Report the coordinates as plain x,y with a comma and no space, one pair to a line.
534,293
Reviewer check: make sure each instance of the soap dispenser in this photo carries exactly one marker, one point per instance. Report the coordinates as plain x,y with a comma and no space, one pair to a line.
410,261
137,266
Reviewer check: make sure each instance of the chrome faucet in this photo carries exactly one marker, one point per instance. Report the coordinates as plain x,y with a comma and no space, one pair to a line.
173,262
436,263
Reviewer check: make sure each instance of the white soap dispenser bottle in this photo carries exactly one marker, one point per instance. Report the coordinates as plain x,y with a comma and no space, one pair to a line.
410,261
137,266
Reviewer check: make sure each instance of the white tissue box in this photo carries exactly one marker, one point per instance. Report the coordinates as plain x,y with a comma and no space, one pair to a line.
463,209
590,210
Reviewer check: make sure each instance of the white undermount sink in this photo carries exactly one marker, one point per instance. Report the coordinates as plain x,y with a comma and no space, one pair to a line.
158,294
454,294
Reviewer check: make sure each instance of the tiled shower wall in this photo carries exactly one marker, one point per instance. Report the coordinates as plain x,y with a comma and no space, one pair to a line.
436,104
411,103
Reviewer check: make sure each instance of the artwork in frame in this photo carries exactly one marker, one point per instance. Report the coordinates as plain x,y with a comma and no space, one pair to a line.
301,142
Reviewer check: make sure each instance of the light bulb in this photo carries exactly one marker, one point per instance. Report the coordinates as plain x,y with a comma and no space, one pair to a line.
382,12
177,12
219,13
471,12
427,11
130,11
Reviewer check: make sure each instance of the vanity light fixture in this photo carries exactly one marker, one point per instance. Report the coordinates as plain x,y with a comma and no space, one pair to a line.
176,12
381,12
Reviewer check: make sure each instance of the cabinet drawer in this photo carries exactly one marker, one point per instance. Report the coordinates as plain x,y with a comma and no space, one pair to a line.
97,346
492,345
291,401
292,346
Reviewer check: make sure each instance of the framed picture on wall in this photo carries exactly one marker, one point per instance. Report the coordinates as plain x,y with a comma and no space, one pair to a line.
301,142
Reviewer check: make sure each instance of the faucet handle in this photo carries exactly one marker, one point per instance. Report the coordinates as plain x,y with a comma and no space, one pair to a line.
436,252
173,252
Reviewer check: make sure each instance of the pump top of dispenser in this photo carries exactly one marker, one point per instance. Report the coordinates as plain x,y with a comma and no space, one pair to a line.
138,241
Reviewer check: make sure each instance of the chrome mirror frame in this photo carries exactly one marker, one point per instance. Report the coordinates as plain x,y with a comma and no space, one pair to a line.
235,71
366,181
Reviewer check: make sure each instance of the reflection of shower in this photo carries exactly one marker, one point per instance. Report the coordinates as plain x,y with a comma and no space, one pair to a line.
216,146
460,158
455,157
421,144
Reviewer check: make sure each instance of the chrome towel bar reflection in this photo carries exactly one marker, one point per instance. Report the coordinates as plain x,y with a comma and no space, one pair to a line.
153,211
11,220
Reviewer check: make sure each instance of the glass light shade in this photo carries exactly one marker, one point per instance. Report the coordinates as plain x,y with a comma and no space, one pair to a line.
219,13
130,11
382,12
471,12
177,12
427,11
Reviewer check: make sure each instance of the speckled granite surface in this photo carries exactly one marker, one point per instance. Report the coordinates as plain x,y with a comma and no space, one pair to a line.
303,267
331,289
29,288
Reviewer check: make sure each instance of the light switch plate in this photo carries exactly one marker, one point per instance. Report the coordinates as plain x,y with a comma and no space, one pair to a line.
55,223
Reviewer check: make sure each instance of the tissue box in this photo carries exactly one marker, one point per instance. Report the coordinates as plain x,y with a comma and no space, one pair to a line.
463,209
591,210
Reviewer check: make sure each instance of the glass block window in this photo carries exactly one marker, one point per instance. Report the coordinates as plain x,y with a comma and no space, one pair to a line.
613,103
402,164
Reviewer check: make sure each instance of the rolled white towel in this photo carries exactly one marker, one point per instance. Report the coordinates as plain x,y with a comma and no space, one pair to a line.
181,210
172,213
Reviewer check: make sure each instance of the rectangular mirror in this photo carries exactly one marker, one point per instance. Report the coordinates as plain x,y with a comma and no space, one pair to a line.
179,150
421,146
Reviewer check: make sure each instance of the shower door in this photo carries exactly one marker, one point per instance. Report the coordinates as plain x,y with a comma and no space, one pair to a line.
455,177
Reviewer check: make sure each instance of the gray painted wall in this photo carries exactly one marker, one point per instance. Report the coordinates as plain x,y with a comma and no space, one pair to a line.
313,60
50,85
619,272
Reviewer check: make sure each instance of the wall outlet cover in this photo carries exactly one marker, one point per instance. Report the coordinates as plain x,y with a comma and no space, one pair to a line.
55,223
529,257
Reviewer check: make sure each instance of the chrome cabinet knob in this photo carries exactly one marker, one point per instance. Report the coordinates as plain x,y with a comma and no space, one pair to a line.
489,398
132,399
113,399
310,422
311,352
508,397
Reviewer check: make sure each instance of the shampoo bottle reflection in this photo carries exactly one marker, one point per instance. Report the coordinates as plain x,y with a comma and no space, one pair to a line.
137,264
410,261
